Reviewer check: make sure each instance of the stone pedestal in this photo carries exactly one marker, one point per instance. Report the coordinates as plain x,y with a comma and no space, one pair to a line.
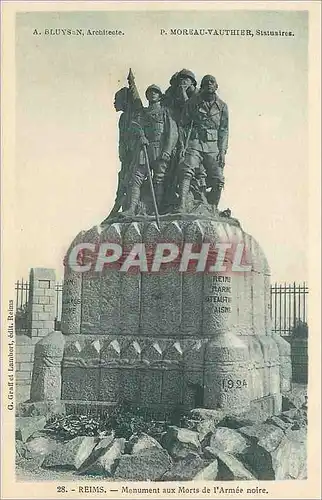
46,375
41,302
177,337
227,384
284,350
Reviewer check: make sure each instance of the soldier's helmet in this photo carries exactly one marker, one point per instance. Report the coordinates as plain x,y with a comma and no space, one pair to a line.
122,93
121,99
173,79
206,78
153,88
187,73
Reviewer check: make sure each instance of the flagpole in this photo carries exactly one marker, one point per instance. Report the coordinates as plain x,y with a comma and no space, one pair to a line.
137,103
152,187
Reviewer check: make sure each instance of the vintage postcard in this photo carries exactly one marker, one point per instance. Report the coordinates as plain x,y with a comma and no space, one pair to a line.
160,250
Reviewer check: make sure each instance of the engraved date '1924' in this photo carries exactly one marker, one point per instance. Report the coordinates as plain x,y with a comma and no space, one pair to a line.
228,384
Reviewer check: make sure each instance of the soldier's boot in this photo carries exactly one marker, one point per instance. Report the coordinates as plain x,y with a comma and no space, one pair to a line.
201,182
216,195
183,193
133,201
202,195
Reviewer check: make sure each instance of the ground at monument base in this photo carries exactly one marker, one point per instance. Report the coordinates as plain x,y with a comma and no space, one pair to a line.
218,448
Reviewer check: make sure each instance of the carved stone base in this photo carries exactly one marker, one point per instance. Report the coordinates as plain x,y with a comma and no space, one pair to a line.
172,338
46,375
166,373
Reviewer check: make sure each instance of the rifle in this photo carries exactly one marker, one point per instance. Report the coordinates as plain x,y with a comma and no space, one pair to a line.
151,187
137,106
146,157
134,107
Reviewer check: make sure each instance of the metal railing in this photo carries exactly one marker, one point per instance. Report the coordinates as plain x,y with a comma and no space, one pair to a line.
22,298
22,301
288,304
58,305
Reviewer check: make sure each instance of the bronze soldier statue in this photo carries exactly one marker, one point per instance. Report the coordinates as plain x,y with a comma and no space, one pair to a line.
129,146
120,104
161,132
158,132
183,85
205,121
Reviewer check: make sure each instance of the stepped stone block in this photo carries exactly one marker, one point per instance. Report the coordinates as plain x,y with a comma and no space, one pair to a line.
194,338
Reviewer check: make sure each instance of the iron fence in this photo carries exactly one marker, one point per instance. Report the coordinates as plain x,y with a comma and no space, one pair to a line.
22,294
22,298
22,301
58,305
288,306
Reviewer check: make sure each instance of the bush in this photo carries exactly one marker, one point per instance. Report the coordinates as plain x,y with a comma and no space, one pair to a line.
21,317
301,330
124,420
71,426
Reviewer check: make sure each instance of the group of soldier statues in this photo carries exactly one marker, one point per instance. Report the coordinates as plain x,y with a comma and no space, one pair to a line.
176,145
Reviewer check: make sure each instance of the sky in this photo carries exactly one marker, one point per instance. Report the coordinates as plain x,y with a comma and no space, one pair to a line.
66,126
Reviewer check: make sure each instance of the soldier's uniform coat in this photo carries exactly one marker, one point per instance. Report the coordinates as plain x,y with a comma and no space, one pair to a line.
208,122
